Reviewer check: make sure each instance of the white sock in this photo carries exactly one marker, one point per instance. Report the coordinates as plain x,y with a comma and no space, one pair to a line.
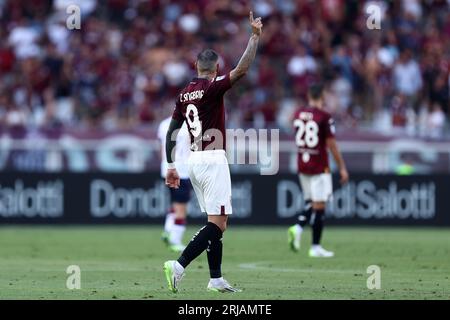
176,233
316,246
298,228
217,280
179,268
170,220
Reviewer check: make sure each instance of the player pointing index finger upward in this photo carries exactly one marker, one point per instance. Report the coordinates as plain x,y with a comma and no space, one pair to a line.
200,105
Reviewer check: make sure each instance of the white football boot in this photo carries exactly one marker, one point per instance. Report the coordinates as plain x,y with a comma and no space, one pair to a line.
318,252
294,237
174,272
221,285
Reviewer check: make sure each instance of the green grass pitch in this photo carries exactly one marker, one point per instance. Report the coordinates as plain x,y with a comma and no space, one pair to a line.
126,263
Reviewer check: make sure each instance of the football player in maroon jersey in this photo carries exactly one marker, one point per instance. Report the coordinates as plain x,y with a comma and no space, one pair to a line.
314,137
200,105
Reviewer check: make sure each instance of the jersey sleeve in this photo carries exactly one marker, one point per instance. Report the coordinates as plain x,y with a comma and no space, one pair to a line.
221,84
330,128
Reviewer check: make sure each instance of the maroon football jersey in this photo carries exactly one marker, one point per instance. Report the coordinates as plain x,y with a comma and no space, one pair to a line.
313,126
201,105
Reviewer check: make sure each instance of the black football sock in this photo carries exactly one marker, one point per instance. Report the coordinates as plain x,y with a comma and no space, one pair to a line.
305,216
199,243
317,226
214,252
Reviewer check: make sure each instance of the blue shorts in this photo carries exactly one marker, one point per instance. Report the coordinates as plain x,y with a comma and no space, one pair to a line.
183,193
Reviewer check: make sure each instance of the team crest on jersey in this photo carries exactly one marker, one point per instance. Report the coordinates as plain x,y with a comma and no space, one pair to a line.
305,157
194,146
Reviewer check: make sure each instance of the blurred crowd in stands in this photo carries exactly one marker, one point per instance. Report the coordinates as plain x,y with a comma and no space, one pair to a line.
126,65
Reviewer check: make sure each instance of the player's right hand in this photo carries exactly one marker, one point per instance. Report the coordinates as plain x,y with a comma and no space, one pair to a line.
344,176
256,24
172,178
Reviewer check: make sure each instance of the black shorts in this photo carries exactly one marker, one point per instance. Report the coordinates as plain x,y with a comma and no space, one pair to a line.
183,193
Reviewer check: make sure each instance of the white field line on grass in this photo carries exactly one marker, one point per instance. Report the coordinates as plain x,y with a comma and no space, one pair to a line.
262,265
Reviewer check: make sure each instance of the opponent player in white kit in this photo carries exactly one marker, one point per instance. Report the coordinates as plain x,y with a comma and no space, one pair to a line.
200,105
175,224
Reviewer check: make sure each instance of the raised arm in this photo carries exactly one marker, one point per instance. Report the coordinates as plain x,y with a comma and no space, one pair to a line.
250,52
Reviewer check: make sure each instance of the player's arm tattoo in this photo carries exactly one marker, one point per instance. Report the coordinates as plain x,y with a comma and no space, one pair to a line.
171,138
246,59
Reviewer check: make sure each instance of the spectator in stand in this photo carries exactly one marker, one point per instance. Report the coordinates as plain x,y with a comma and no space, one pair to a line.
408,78
130,58
436,122
302,68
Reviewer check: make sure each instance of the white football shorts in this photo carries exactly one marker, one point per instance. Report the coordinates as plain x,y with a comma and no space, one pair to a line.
211,181
317,188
